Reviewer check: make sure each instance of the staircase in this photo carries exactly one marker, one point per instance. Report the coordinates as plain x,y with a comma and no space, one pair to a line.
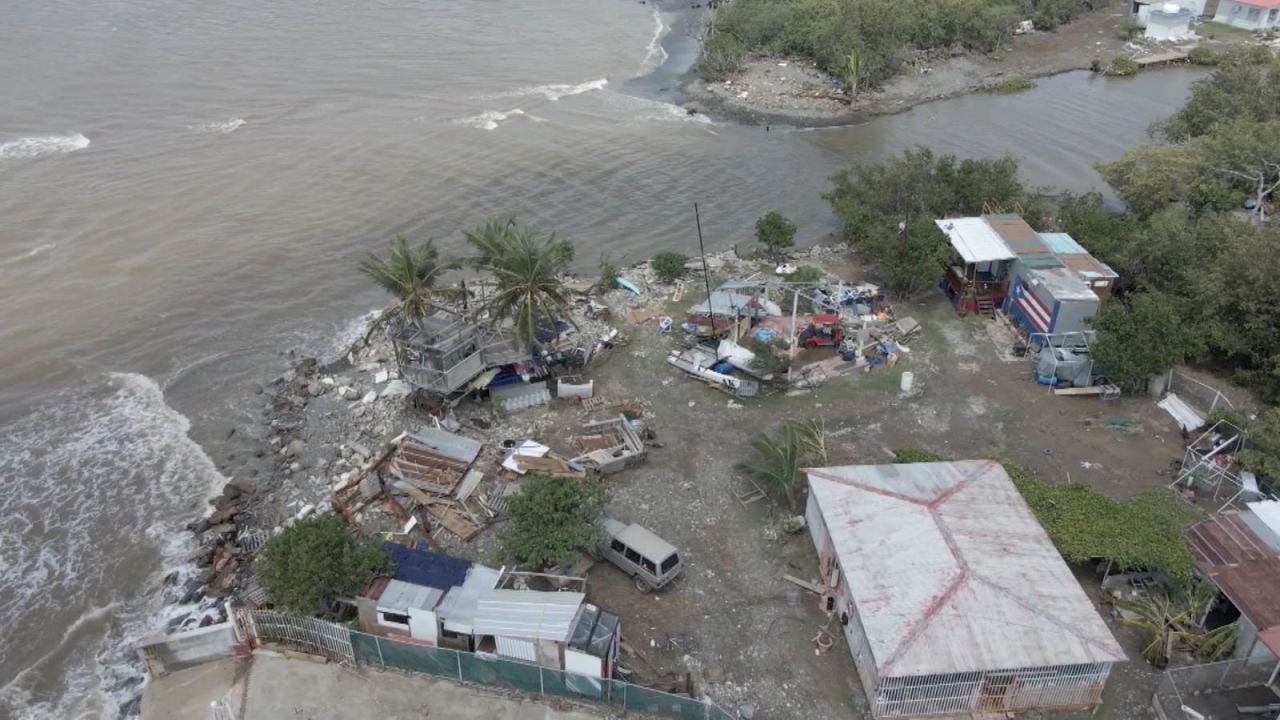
986,306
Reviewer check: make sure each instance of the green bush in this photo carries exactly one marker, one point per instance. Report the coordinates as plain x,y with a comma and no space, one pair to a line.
1121,66
315,559
551,519
1012,84
1203,56
806,275
1130,29
722,59
669,266
775,232
1141,533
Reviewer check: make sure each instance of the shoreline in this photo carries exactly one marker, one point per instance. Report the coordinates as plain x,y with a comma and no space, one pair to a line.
788,91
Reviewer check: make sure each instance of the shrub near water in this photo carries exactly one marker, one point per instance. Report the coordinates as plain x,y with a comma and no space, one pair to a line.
669,266
879,33
315,559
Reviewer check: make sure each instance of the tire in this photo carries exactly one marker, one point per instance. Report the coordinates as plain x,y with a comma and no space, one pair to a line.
641,585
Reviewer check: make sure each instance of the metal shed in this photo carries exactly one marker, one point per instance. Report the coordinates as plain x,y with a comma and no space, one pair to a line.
528,625
951,595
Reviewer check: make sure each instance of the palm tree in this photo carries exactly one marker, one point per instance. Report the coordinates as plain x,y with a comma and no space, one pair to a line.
526,266
779,462
1172,619
411,275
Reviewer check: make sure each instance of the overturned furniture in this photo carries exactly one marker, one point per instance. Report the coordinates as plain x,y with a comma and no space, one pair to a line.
610,446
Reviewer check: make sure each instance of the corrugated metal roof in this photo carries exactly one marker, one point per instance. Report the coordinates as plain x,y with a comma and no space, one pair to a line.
729,304
951,572
528,614
974,239
1243,567
1062,284
457,447
1040,260
401,595
423,567
1016,233
458,609
1062,243
1088,266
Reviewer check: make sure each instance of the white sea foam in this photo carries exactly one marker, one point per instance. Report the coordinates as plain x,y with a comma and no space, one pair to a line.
41,145
655,54
489,119
33,252
219,127
552,92
94,487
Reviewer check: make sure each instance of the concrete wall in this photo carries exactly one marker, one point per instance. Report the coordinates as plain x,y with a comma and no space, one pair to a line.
1237,14
169,653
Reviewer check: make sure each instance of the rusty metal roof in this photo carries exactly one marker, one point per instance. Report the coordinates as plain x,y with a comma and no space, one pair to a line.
1244,568
1017,234
950,571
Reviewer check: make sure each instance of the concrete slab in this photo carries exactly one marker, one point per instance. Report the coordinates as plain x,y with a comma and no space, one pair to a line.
280,687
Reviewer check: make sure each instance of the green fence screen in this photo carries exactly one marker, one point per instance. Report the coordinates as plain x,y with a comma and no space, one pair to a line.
380,652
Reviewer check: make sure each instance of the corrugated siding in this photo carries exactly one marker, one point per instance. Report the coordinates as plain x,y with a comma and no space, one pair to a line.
517,648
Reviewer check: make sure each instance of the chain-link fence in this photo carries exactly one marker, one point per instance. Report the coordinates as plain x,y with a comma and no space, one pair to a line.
1187,692
343,643
1202,397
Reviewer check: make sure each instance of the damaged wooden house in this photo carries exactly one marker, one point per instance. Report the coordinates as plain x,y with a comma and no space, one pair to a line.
427,481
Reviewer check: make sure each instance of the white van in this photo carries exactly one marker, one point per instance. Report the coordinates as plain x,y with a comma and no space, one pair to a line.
652,561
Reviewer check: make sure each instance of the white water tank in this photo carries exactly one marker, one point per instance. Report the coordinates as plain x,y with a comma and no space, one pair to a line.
907,381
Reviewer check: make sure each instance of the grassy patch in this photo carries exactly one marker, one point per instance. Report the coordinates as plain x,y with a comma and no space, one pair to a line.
1211,28
1011,84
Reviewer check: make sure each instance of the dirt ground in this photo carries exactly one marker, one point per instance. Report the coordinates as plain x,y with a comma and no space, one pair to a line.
791,91
731,622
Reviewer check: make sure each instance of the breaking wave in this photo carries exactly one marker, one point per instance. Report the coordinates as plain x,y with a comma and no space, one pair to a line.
553,91
221,127
489,119
94,489
41,145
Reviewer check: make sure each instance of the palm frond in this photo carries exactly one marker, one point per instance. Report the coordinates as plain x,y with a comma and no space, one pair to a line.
412,275
526,268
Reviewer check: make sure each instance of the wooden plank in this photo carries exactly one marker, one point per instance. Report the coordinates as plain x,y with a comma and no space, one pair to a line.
817,589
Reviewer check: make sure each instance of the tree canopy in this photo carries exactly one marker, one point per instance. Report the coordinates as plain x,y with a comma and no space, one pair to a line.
317,558
888,209
1142,335
775,232
865,42
553,518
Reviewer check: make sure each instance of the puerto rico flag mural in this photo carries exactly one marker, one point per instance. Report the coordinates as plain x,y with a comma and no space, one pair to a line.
1028,309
